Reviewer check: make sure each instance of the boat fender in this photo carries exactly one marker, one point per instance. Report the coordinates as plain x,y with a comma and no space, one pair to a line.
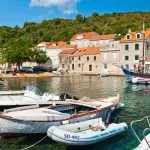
134,80
65,122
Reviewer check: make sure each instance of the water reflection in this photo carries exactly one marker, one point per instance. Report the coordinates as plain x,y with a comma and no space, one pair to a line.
135,97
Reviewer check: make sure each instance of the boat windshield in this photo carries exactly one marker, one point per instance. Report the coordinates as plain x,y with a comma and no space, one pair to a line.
34,90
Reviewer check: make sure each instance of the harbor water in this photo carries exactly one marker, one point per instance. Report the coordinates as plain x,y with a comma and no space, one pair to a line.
135,97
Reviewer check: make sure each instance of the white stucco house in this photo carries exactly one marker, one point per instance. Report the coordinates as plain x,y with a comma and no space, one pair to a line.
53,49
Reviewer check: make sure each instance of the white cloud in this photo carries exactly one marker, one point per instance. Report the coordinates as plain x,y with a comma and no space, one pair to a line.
66,6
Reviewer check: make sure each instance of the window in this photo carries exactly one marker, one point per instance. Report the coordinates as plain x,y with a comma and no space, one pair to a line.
126,47
138,35
90,67
87,58
147,47
126,57
72,66
136,57
79,57
72,58
105,66
94,57
128,36
79,65
136,46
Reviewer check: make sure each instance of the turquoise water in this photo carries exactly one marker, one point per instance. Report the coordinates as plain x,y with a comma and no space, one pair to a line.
135,97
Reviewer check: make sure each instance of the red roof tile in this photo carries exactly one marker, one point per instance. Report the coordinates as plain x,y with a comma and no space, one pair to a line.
46,43
103,37
67,51
86,35
133,36
87,51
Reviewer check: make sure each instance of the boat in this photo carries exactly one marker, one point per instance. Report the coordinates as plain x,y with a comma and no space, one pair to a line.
37,120
32,95
57,72
12,92
86,132
135,77
145,143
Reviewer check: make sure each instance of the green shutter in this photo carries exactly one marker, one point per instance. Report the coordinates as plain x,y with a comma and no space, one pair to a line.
126,57
136,57
126,47
136,46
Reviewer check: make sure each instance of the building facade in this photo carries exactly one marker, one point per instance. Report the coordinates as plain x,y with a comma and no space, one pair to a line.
110,59
53,50
83,39
131,49
86,61
65,58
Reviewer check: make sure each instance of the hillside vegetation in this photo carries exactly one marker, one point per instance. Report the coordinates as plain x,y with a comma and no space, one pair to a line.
63,29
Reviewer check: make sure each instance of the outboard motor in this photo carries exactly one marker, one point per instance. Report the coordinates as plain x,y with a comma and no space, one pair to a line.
64,96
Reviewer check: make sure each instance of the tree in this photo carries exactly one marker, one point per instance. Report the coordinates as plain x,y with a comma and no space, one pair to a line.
95,14
17,51
40,56
79,18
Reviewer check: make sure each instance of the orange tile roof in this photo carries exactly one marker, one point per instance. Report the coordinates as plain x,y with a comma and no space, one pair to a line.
133,36
87,51
67,51
47,43
69,46
86,35
103,37
60,44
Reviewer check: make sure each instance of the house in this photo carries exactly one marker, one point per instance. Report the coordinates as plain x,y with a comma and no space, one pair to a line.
43,45
53,49
100,40
132,48
110,58
82,39
65,58
86,61
147,51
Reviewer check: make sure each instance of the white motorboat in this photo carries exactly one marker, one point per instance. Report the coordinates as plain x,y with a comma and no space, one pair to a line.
86,132
145,143
12,92
31,96
32,119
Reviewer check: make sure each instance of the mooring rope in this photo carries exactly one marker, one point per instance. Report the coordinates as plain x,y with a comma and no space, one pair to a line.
34,143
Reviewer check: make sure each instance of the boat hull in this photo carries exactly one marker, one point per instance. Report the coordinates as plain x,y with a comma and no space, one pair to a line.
136,78
13,127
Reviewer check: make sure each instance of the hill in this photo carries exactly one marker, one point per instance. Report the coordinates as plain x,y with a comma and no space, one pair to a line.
63,29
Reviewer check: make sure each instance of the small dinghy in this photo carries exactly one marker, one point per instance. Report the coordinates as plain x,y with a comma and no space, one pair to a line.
86,132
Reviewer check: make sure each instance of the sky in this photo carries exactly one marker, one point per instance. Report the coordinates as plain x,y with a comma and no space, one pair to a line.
16,12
